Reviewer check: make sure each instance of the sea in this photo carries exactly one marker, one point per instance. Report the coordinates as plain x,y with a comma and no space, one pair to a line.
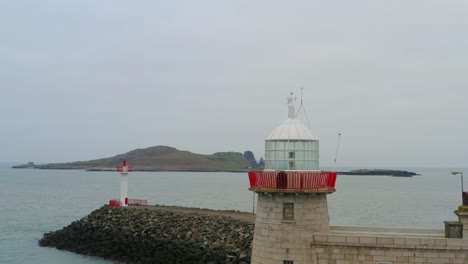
37,201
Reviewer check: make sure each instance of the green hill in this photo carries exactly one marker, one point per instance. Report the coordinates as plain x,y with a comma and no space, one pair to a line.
163,158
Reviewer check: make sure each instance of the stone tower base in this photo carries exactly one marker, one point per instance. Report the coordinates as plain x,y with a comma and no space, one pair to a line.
284,227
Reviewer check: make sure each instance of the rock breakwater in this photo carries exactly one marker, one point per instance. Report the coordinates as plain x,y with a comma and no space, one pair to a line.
155,236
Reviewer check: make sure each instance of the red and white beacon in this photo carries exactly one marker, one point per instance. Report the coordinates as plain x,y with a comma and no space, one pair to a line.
124,170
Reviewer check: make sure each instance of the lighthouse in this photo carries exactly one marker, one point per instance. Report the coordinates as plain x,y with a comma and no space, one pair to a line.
124,170
292,195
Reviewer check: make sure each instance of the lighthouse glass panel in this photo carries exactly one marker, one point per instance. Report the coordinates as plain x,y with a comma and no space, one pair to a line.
280,145
279,153
299,155
282,165
299,146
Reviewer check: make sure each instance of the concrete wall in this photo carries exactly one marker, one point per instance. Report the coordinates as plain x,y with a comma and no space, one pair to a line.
276,239
396,246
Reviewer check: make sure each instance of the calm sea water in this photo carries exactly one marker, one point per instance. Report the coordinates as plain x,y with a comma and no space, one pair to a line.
38,201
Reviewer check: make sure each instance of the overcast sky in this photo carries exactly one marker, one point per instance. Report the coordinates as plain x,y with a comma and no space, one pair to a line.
82,80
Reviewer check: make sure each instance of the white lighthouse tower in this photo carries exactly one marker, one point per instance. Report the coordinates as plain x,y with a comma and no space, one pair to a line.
124,170
292,195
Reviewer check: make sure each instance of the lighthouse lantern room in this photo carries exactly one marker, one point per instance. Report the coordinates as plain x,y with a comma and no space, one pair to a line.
292,195
291,146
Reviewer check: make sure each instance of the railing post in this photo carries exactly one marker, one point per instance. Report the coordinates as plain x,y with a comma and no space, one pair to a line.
302,181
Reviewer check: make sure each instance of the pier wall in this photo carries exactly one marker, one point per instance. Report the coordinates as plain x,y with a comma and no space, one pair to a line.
161,236
344,245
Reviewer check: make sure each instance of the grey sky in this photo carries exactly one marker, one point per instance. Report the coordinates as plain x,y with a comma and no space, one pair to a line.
89,79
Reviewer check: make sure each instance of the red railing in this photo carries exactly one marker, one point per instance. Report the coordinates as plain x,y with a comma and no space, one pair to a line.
121,168
114,203
117,203
294,181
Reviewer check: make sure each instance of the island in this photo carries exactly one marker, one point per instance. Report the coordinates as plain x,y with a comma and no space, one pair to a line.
163,158
379,172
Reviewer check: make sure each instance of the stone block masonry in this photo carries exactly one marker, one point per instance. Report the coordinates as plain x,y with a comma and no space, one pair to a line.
285,225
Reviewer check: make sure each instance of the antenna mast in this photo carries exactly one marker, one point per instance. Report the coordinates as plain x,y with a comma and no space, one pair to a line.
302,88
336,153
302,107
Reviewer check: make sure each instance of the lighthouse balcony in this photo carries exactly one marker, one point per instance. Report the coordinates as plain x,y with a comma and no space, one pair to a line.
292,181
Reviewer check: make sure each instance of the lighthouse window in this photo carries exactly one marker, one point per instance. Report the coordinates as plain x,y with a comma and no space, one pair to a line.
288,211
288,262
292,165
292,155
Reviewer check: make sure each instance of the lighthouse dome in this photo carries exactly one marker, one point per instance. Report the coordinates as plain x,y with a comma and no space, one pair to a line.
291,129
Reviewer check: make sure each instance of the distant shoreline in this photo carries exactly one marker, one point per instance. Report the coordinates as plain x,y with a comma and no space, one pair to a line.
379,172
177,170
360,172
135,170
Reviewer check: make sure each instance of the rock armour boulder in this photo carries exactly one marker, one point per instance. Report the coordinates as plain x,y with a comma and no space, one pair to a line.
155,236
